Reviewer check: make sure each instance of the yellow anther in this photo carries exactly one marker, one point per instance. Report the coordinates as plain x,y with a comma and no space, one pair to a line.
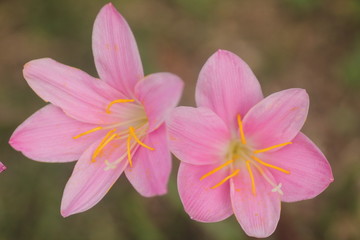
103,143
129,150
270,166
87,132
241,130
236,172
253,187
272,147
216,169
133,134
117,101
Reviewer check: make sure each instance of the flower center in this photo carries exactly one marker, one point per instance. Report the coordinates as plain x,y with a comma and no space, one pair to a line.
133,130
240,155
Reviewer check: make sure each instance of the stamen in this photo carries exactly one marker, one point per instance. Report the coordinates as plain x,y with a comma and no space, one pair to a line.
132,133
87,132
253,187
216,169
236,172
241,130
129,150
269,165
272,147
117,101
98,149
113,164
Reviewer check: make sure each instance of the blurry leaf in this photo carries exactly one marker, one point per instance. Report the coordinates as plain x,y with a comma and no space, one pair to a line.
351,67
302,6
55,18
199,8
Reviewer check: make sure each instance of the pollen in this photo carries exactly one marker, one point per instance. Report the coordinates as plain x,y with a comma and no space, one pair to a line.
132,133
236,172
241,130
253,187
129,150
269,165
272,147
117,101
216,169
106,140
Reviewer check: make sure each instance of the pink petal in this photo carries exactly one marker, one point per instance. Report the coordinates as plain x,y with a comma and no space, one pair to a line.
257,214
48,136
160,93
200,201
2,167
79,95
276,119
151,169
90,181
227,86
310,171
115,51
197,135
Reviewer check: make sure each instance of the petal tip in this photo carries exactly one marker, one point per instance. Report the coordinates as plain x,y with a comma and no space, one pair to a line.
300,91
67,210
2,167
154,194
40,62
14,143
222,52
65,213
109,8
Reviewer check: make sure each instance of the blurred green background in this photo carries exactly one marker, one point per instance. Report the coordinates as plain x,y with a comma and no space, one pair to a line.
311,44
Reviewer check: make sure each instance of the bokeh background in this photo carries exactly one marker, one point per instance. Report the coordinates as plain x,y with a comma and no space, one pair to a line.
311,44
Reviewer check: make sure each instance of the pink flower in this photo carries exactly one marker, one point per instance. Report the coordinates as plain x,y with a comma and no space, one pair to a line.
241,153
111,125
2,167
